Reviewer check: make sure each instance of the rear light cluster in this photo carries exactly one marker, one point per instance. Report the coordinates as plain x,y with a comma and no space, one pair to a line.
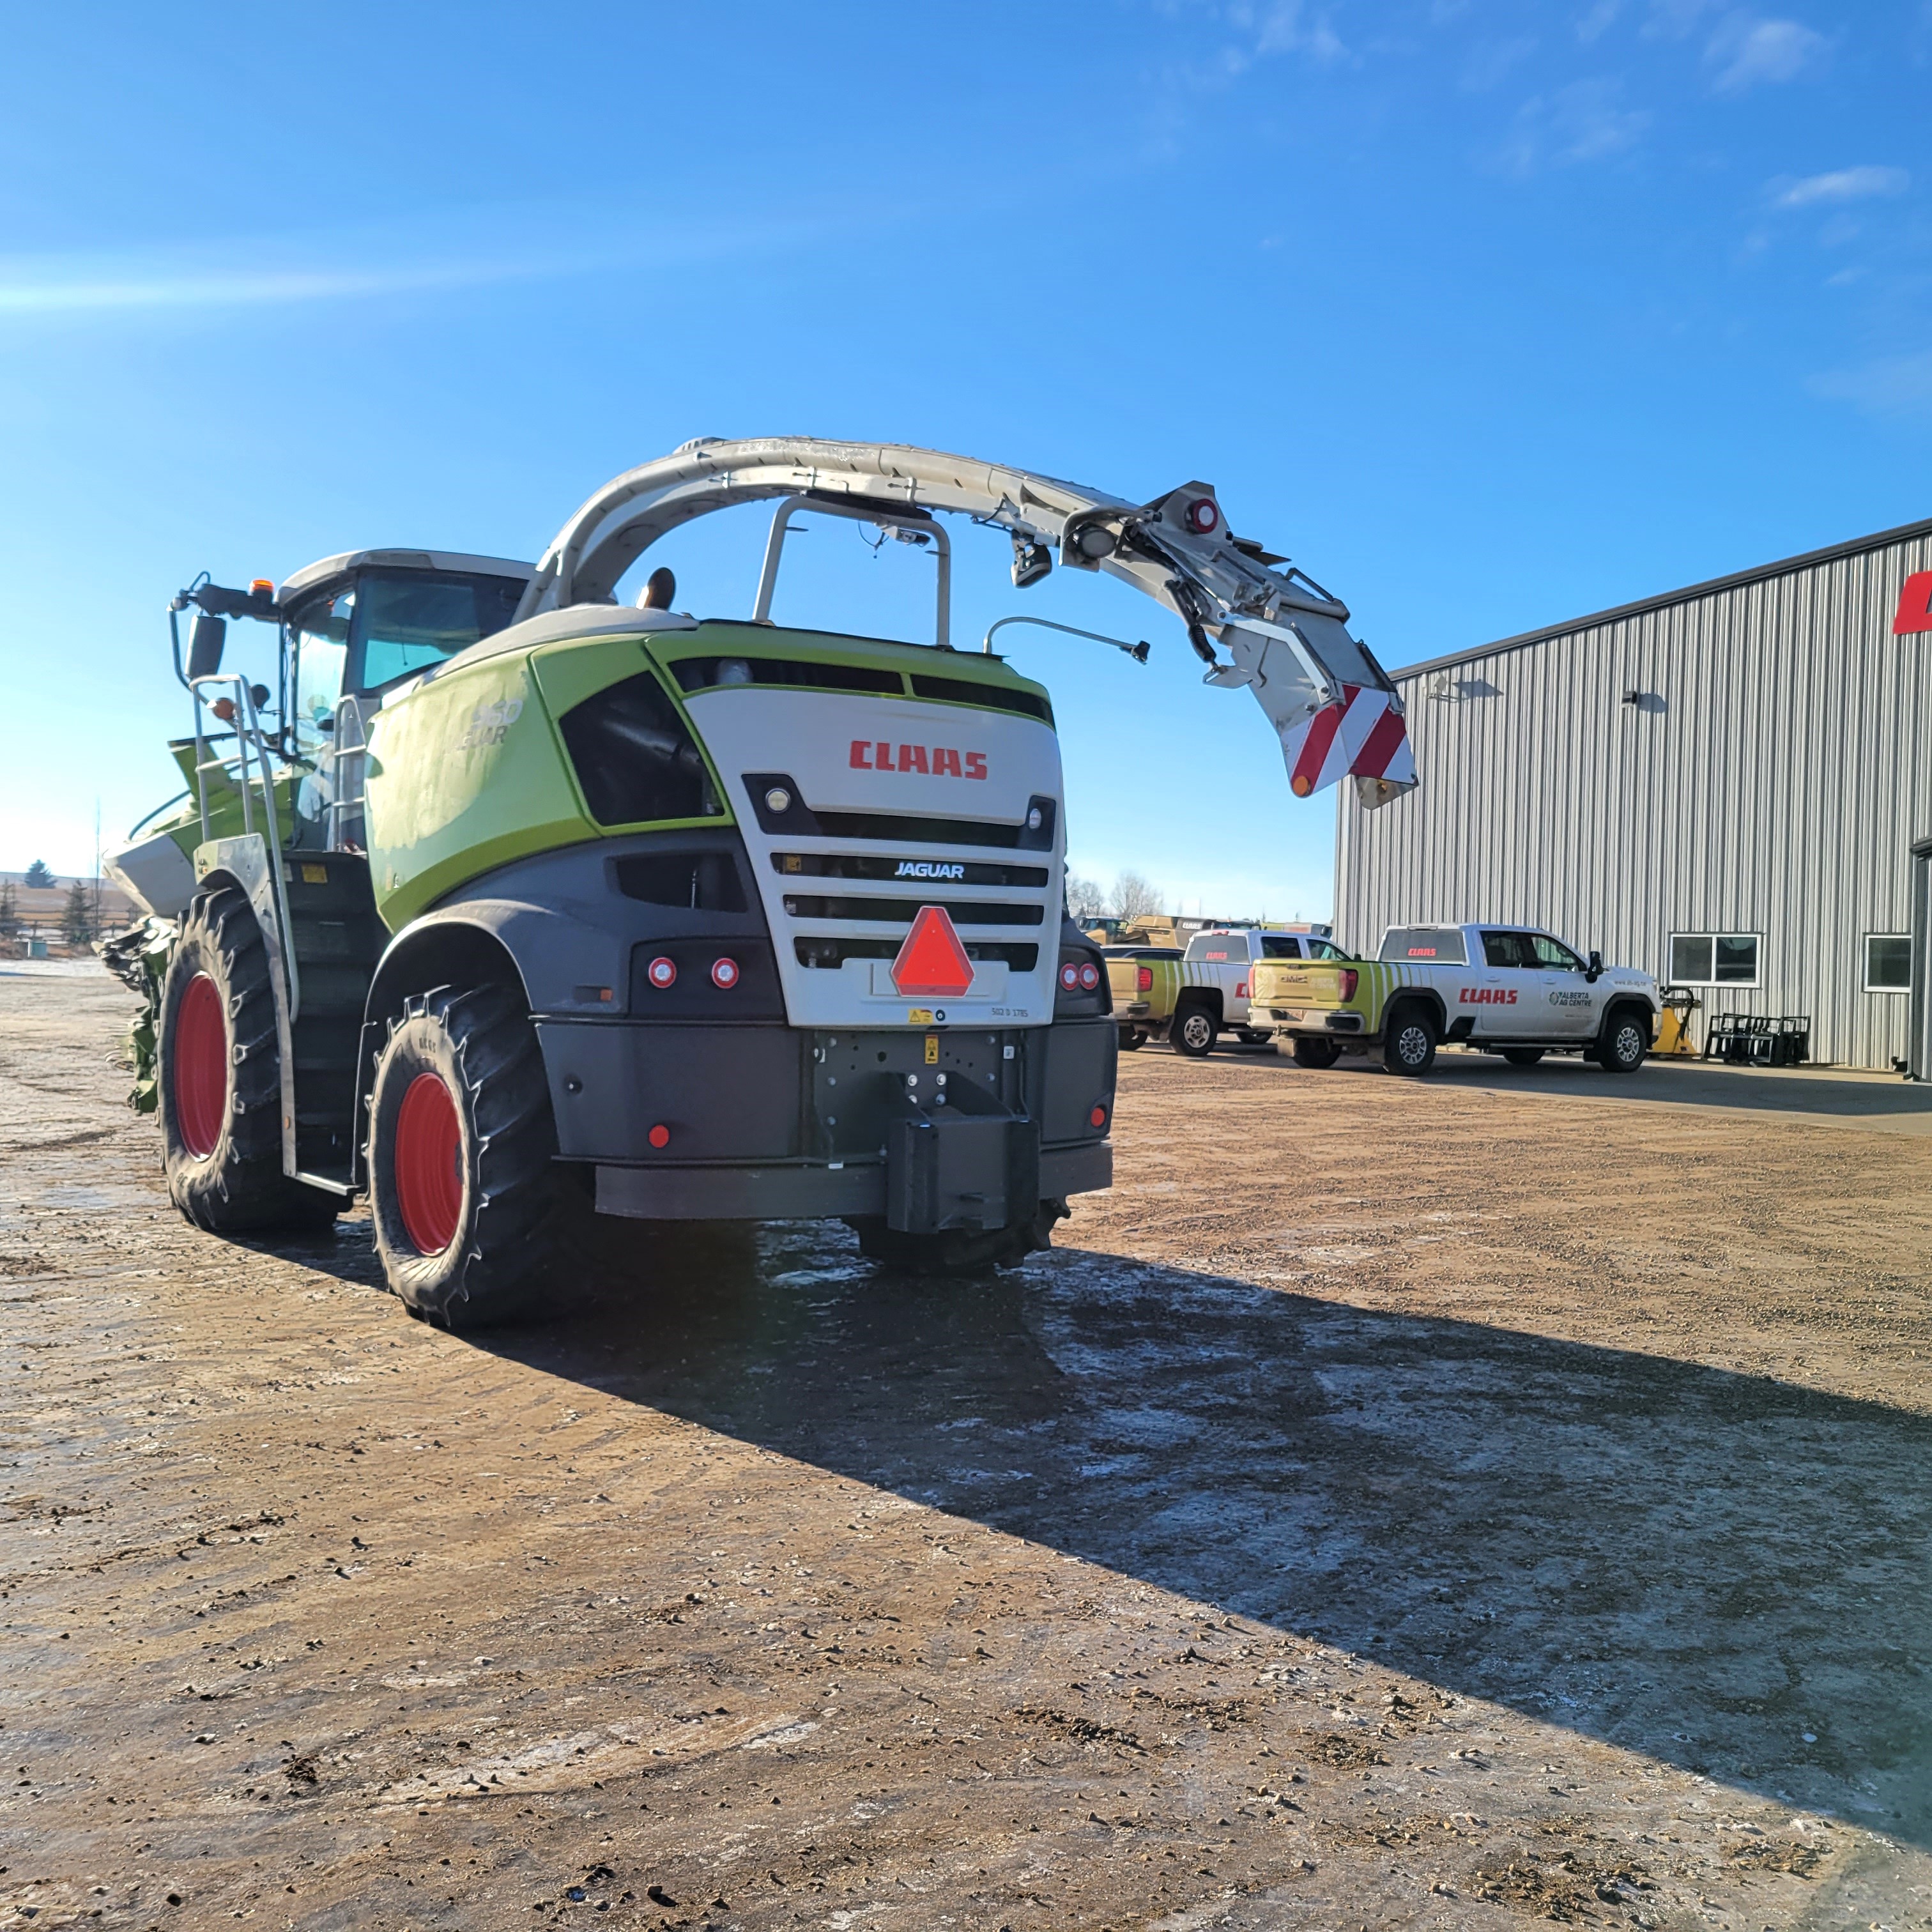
1350,980
1144,979
662,973
1079,977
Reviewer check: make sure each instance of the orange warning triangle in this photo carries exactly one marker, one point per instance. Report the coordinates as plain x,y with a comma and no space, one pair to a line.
932,960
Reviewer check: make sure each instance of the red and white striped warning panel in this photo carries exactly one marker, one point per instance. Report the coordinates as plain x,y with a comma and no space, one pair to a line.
1362,736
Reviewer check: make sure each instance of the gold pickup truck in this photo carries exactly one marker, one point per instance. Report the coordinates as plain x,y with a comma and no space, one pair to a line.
1189,998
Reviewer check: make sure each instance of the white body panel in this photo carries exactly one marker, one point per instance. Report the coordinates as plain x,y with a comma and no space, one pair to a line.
155,874
827,744
1540,1005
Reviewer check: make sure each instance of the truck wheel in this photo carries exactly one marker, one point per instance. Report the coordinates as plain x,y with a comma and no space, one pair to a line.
1316,1053
221,1078
1131,1039
956,1251
1409,1041
1192,1032
1522,1056
469,1205
1624,1041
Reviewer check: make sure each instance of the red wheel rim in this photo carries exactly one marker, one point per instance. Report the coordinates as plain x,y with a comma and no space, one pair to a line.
429,1164
198,1066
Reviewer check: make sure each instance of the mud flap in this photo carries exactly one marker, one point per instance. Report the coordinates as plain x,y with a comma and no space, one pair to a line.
947,1170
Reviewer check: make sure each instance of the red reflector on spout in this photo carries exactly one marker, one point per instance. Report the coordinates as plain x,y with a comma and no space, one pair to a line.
932,960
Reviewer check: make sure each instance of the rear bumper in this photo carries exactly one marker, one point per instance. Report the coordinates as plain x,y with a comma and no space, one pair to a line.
1317,1022
802,1191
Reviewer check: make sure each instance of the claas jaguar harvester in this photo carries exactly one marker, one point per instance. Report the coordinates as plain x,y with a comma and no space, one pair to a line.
512,903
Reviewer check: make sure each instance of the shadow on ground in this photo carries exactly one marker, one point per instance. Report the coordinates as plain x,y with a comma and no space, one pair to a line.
1723,1572
1684,1083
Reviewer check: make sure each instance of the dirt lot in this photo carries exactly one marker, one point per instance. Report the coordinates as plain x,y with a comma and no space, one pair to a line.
1503,1499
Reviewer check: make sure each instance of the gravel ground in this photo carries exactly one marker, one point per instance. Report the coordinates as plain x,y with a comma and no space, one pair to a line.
1500,1499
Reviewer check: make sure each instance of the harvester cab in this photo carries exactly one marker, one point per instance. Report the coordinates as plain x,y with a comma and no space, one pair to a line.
512,905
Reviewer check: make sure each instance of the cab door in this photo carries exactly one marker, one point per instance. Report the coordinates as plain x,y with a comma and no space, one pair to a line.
1571,1006
1506,999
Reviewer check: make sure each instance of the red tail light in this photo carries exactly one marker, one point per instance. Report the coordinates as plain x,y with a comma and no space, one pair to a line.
1090,975
1144,979
1350,980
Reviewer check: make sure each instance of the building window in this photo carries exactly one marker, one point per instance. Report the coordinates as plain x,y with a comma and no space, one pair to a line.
1714,959
1888,962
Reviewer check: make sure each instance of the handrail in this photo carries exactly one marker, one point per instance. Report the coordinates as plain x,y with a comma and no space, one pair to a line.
349,757
1139,653
917,528
253,750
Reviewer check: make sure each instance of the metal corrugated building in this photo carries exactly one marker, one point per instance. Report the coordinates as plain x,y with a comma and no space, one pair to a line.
1746,759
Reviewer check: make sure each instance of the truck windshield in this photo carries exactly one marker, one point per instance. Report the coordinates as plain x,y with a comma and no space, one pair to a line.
1432,945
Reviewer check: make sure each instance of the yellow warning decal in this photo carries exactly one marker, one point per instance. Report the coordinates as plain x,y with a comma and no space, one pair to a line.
314,875
918,1016
932,1049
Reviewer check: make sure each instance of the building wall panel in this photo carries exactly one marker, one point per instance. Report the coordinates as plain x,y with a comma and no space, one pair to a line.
1770,779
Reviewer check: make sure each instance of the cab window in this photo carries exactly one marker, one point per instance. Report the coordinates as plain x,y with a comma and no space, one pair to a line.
1508,948
411,622
1426,945
1281,949
1327,948
319,634
1553,954
1214,947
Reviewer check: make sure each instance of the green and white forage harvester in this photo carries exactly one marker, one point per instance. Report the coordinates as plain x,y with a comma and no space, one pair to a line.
512,904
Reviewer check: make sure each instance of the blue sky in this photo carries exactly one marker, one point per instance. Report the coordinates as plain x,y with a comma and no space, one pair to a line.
1487,314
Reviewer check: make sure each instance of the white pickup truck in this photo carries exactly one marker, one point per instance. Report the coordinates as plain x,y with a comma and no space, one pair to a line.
1505,989
1216,975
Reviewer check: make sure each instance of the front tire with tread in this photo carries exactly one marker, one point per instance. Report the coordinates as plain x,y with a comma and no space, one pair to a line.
223,1158
1625,1041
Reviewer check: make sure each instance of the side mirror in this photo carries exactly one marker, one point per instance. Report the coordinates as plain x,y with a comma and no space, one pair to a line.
1596,966
206,643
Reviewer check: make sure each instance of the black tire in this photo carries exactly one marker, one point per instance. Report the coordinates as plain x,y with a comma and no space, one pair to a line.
1316,1053
956,1251
221,1085
1408,1040
1193,1030
1131,1039
1248,1036
1522,1056
1624,1042
510,1211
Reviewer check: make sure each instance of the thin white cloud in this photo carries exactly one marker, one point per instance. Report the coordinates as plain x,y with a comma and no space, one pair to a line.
1288,27
1585,122
1749,52
1894,386
149,280
58,288
1598,19
1841,185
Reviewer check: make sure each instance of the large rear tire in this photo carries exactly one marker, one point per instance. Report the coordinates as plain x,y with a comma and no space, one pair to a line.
1408,1040
1522,1056
1192,1031
221,1085
1315,1053
472,1211
1131,1039
956,1251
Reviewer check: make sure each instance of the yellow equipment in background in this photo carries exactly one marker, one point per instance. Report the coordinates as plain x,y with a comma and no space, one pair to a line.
1673,1024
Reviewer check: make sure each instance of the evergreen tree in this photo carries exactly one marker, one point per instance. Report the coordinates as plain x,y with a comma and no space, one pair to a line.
38,876
77,916
9,911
